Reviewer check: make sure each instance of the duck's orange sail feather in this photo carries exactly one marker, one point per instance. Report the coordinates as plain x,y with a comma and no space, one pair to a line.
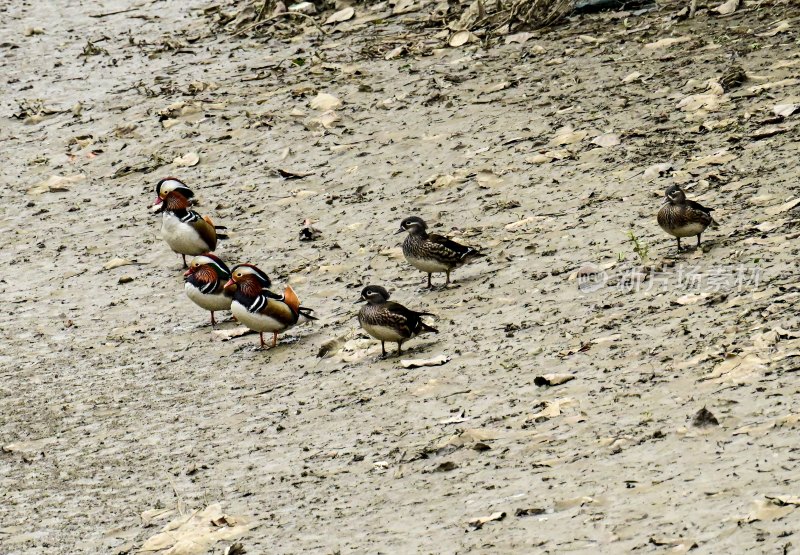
290,298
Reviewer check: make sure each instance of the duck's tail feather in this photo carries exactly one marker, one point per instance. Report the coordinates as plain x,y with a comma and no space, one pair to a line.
425,328
471,255
305,315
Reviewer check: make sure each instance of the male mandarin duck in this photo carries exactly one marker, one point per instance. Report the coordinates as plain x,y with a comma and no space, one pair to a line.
205,283
185,231
258,308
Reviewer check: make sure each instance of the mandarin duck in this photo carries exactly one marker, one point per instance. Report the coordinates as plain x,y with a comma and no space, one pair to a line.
683,218
432,253
258,308
386,320
185,231
205,284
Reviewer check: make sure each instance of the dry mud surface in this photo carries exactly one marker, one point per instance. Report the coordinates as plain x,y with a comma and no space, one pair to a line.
123,414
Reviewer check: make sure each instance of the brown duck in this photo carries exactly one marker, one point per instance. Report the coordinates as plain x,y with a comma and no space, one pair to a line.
389,321
683,218
433,253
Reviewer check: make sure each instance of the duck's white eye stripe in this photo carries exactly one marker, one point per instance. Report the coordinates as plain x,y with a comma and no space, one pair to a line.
172,183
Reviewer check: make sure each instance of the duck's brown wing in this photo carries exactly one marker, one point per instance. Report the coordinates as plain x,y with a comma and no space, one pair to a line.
408,320
217,228
274,306
203,228
697,206
447,249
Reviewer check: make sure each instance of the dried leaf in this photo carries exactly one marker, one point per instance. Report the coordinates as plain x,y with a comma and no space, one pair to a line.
738,369
324,102
766,227
396,52
489,179
716,159
606,140
196,533
189,159
480,521
518,224
154,514
588,39
116,263
539,159
404,6
200,86
786,110
727,8
461,38
551,409
518,38
678,545
607,339
36,445
552,379
690,299
468,437
695,102
767,132
785,207
784,499
56,184
765,510
656,170
549,156
341,15
419,363
780,27
666,43
293,174
496,87
457,419
631,77
567,136
325,120
303,7
437,181
756,430
758,89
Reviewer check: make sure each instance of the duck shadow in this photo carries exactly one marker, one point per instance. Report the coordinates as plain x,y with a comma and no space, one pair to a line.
416,349
704,248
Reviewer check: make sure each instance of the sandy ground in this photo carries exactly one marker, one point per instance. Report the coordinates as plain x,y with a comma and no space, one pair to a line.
117,400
